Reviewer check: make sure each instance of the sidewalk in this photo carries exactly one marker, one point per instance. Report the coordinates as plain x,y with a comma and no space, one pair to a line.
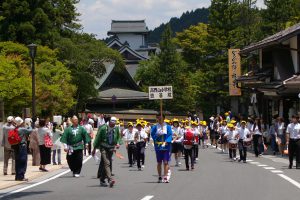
32,172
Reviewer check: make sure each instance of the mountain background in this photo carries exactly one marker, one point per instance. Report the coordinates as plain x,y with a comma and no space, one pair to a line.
186,20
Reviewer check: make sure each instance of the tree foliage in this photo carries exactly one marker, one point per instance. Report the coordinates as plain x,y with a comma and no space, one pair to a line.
39,21
54,90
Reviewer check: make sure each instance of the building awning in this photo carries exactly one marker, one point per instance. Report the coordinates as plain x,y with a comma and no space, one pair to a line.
273,39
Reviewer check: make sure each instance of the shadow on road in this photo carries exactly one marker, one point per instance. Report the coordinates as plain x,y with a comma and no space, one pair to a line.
24,194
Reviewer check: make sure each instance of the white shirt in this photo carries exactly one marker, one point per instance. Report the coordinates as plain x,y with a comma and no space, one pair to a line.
100,121
161,130
294,130
231,134
243,132
141,135
129,135
280,128
223,129
256,131
41,134
88,128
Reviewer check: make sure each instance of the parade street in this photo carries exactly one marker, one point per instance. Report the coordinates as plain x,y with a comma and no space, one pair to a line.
214,177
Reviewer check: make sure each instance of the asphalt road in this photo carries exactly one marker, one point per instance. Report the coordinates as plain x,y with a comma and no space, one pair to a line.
215,177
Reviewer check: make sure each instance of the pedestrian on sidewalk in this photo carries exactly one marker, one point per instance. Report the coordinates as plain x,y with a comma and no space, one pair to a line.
56,149
140,139
107,139
223,129
293,141
20,149
280,133
196,133
45,151
161,134
34,145
177,141
74,139
8,151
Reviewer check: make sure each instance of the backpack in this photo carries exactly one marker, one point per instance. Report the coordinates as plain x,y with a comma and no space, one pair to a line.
188,137
48,141
13,137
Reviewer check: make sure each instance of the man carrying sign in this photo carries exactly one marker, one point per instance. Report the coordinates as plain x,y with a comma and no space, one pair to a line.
161,134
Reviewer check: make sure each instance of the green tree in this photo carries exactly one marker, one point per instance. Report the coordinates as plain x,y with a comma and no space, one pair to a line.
193,42
39,21
168,68
277,15
54,90
85,56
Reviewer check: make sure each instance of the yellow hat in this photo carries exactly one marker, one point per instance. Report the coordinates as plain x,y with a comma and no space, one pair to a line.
167,120
194,123
226,114
243,122
204,123
232,122
230,125
129,124
139,123
121,124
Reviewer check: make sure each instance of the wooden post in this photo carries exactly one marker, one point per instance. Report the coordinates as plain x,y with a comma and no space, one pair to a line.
161,108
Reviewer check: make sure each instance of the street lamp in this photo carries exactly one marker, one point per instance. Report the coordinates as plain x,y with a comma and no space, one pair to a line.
32,52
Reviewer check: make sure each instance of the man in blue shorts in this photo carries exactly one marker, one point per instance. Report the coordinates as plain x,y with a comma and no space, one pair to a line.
161,134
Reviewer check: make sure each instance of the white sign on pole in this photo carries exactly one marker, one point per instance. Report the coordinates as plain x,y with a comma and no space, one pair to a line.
160,92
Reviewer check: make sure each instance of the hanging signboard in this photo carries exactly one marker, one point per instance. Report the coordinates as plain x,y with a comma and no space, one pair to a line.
234,61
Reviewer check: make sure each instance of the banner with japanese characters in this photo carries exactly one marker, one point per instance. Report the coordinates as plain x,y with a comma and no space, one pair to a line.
234,60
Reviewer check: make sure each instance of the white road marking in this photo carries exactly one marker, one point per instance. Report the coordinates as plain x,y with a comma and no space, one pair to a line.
147,197
42,182
269,168
276,171
249,160
262,165
290,180
255,163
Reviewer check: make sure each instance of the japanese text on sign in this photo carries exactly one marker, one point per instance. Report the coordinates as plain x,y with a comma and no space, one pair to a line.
234,71
160,92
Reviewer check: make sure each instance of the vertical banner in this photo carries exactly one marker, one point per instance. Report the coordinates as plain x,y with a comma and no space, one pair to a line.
234,61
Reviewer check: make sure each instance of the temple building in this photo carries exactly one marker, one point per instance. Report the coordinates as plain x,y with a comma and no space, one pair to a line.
119,93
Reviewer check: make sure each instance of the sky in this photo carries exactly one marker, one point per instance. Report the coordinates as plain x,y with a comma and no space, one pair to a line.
96,15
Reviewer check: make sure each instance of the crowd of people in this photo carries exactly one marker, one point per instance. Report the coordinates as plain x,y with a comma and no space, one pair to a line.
178,137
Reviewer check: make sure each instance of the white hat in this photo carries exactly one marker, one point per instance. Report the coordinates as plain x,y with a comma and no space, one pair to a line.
27,120
18,121
211,118
113,119
91,121
10,119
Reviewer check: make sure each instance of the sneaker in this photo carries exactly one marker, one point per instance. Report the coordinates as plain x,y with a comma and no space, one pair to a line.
5,174
192,168
179,163
197,159
140,169
143,166
165,180
54,163
234,159
187,169
239,160
76,175
103,184
159,180
111,183
244,161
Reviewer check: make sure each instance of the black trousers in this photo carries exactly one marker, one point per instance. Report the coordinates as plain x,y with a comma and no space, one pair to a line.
131,153
189,153
242,150
196,151
294,149
75,161
20,151
257,141
232,153
140,153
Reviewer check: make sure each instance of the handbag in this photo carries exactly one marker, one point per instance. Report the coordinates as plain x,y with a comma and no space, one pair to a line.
48,141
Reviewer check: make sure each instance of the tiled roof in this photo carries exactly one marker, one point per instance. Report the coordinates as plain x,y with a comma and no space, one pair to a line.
128,26
274,39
